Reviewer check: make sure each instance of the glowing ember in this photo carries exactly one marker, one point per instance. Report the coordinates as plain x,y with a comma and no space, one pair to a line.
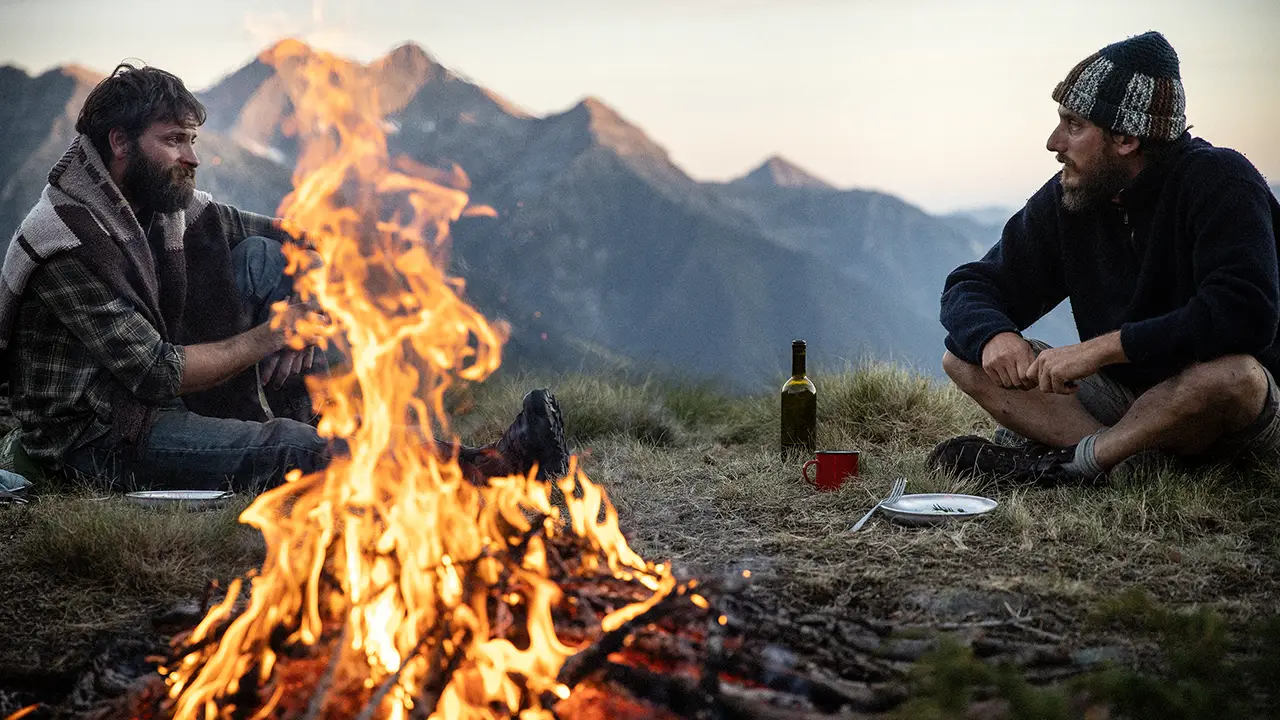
390,582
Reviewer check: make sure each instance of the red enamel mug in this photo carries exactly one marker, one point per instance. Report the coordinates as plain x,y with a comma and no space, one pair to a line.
834,466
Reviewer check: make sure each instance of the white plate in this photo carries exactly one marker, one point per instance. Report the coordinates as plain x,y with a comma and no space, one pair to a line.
931,508
183,498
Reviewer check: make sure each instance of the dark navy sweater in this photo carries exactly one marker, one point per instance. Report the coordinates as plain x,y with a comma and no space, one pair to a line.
1184,266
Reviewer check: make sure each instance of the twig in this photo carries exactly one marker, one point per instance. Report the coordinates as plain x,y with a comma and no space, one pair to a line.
586,661
1053,637
828,695
321,692
455,659
437,652
438,681
1019,622
553,555
766,704
372,706
952,626
713,660
672,691
208,595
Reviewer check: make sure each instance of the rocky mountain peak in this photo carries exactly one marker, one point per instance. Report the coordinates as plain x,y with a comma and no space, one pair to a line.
411,64
410,53
777,171
613,131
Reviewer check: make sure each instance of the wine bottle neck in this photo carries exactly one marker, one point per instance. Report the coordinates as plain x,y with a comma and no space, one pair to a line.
797,363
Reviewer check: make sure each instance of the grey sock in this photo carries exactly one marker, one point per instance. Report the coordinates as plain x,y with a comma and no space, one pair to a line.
1085,462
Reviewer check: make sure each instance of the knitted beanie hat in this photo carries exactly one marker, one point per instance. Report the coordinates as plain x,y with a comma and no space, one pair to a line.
1131,87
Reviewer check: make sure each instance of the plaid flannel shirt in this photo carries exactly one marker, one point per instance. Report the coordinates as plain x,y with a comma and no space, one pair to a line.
74,343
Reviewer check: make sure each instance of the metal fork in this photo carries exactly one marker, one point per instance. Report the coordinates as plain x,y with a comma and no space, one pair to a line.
899,486
12,497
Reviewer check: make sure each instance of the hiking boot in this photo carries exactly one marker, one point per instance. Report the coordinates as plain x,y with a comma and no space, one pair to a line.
973,456
536,436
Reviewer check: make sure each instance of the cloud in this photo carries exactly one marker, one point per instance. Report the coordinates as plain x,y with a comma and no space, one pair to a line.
314,29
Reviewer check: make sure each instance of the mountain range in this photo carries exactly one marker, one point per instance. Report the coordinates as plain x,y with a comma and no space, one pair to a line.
603,252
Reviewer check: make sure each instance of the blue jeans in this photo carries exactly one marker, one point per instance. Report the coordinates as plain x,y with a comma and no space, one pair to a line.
192,452
189,451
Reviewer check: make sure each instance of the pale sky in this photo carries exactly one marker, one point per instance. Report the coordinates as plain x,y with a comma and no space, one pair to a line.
945,104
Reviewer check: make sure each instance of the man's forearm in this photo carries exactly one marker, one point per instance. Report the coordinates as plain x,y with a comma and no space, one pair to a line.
208,364
1109,349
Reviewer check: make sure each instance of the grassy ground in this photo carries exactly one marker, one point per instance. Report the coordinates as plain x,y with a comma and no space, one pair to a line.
1159,561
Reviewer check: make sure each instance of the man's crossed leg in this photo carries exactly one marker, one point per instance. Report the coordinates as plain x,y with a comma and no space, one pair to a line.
1214,410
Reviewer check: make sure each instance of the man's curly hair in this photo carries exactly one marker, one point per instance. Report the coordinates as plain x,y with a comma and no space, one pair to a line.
131,98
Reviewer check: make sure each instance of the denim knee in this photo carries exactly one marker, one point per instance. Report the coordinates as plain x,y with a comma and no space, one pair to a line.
295,444
258,264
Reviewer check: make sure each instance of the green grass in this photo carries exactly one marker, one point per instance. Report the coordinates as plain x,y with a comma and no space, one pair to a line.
594,408
1208,671
695,475
109,544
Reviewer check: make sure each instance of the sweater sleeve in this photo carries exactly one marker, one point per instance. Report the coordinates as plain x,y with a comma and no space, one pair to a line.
1236,306
1017,282
239,224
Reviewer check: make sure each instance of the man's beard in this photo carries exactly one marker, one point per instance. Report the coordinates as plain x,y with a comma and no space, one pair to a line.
1098,186
151,186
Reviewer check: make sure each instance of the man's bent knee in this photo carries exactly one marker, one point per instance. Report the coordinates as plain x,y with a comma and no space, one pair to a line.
967,376
1234,386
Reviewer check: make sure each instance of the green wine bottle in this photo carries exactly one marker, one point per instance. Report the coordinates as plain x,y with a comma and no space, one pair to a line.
799,408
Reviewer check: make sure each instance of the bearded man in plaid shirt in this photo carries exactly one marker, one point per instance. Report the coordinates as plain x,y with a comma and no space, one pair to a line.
134,317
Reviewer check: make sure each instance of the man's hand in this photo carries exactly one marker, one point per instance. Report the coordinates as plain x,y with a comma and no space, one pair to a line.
1056,370
1006,359
208,364
281,365
298,318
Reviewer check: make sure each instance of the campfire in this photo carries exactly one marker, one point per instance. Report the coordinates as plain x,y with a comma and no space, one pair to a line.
393,587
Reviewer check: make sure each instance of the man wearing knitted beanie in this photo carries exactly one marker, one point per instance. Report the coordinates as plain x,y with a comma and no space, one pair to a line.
1167,249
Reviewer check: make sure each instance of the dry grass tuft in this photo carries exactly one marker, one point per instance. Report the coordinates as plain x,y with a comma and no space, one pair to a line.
594,407
110,544
76,571
874,404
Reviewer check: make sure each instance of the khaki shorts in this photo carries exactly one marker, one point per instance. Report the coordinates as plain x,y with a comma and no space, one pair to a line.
1107,400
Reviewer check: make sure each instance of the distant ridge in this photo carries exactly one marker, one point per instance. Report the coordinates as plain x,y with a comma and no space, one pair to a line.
777,171
995,215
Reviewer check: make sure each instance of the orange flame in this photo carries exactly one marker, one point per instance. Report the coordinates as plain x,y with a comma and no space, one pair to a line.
387,558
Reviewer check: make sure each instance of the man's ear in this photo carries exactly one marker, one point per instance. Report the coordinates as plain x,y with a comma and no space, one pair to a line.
1126,144
120,144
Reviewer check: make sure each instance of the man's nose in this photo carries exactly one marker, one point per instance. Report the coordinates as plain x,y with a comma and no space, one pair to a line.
189,156
1054,143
